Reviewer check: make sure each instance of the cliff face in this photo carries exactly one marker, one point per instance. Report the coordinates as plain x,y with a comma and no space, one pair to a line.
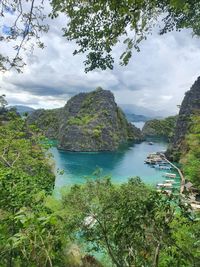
160,128
93,122
189,107
47,121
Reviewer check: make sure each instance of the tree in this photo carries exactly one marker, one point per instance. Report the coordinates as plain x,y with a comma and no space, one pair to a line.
184,249
32,227
3,102
96,26
191,155
24,174
22,25
131,222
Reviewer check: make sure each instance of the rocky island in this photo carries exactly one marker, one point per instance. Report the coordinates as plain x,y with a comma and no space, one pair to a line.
160,127
190,106
88,122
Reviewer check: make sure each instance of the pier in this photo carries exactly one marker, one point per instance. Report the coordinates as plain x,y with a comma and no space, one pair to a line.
159,161
179,172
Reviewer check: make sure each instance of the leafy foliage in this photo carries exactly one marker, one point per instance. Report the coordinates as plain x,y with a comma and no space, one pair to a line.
22,24
191,157
27,228
162,128
80,120
97,26
132,223
46,120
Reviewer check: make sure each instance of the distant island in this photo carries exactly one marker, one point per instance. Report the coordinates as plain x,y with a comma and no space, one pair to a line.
21,109
160,127
131,117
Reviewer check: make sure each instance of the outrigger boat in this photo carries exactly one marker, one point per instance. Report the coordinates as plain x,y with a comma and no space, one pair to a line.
168,185
170,175
157,166
170,181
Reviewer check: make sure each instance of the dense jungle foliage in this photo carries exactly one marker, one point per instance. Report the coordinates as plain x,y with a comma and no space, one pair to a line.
190,157
160,127
95,224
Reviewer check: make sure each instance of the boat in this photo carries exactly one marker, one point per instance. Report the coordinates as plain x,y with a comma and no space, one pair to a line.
168,185
163,163
170,175
147,161
164,191
160,184
170,181
162,167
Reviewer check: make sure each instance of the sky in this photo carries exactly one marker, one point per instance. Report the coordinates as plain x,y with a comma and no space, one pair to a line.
156,78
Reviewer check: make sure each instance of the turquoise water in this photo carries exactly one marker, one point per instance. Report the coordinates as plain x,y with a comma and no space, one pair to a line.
120,165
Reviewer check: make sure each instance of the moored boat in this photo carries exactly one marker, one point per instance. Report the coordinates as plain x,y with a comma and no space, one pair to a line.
170,175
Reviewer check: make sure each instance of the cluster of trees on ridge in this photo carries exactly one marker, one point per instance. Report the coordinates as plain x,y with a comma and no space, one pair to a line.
190,155
130,224
160,127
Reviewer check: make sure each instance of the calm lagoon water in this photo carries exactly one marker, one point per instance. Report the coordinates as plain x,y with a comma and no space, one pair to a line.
127,162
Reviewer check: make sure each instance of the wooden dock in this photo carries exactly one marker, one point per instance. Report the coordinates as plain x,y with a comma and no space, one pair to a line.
179,171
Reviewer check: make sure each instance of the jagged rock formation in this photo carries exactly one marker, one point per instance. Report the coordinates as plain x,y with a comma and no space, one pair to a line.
47,121
160,128
94,122
189,107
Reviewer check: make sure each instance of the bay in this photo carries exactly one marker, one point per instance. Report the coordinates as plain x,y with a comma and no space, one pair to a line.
121,165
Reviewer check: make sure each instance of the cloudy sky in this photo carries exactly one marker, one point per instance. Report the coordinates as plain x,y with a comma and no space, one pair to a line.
156,78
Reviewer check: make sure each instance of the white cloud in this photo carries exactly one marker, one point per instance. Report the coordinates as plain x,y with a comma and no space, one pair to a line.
155,78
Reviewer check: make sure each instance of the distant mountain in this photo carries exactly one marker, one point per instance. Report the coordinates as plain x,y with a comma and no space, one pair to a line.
136,118
138,110
23,109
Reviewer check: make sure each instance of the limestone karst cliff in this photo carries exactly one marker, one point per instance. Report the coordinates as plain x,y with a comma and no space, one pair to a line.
160,127
47,121
94,122
190,106
88,122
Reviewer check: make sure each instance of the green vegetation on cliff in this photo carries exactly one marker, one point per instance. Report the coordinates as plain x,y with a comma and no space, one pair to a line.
185,146
46,120
160,127
93,122
190,154
88,122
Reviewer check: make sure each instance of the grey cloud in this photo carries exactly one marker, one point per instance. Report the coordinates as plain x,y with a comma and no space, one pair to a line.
166,66
17,101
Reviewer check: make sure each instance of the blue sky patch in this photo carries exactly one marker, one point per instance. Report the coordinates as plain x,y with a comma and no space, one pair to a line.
6,30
